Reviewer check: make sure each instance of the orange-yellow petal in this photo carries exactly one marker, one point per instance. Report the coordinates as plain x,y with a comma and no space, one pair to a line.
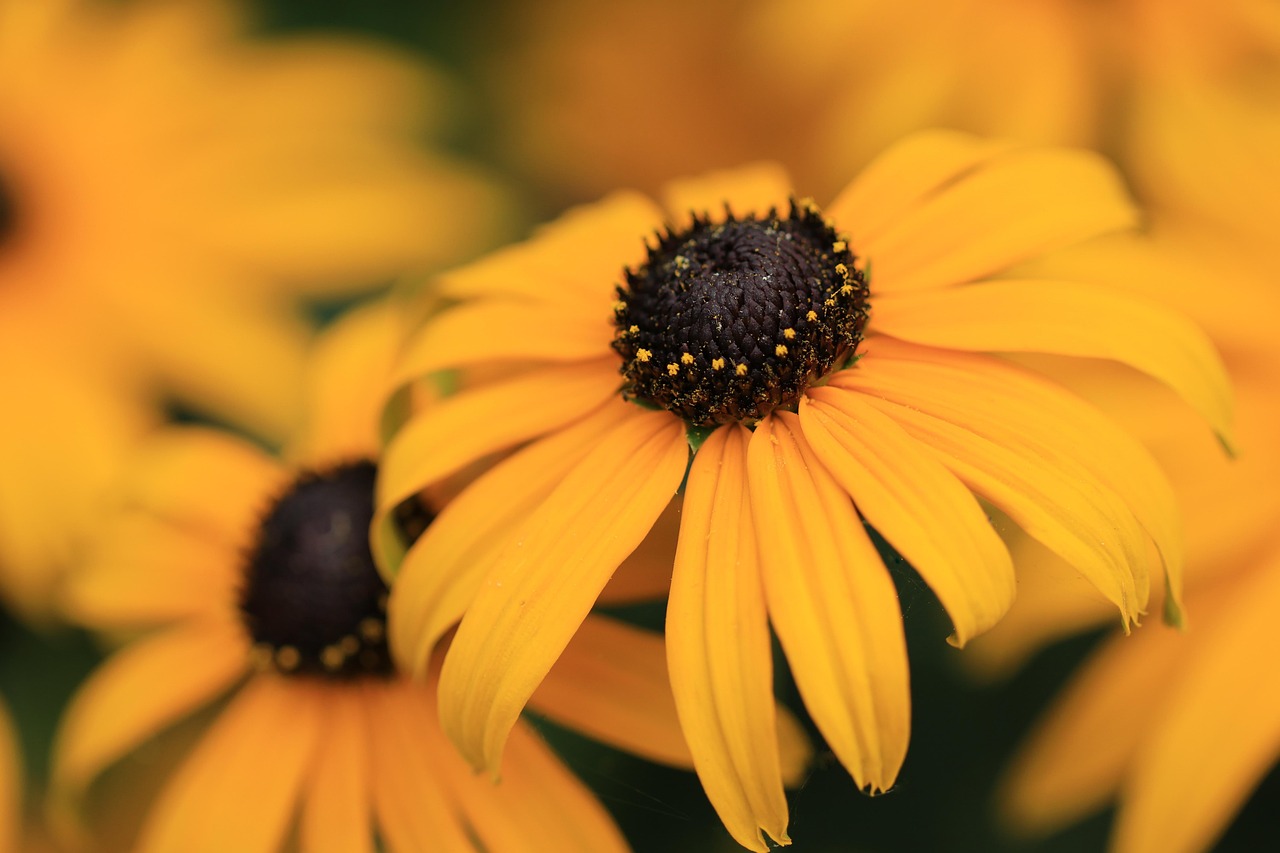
459,430
1219,735
143,689
445,569
916,504
414,809
336,806
646,573
143,571
1068,318
718,646
550,573
832,603
906,175
748,189
601,238
1008,210
238,790
611,683
10,783
505,331
1077,757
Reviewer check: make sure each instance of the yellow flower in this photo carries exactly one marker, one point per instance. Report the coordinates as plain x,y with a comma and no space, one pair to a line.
743,333
167,194
252,581
1177,727
635,92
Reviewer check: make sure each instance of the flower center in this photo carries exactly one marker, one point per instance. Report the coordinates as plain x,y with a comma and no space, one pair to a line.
725,322
313,600
8,218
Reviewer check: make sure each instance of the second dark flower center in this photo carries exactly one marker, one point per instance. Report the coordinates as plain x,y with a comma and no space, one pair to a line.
313,600
727,321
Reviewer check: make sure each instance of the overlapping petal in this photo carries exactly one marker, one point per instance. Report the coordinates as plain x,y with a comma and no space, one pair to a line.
831,602
337,810
916,504
549,574
718,646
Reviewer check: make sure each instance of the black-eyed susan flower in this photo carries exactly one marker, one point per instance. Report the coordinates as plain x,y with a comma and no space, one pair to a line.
252,588
800,370
168,192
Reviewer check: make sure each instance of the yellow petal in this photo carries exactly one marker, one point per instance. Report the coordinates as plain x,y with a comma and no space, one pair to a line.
1010,209
916,504
444,570
1023,414
832,604
646,573
348,380
550,573
1075,760
718,646
748,189
412,804
242,476
239,788
539,805
611,683
1068,318
505,331
1219,735
143,571
448,436
602,238
143,689
903,177
336,810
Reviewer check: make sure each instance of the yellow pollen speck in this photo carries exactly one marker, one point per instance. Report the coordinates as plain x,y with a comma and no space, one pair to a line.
643,354
260,657
829,302
288,658
349,645
812,316
740,369
839,246
846,290
717,364
673,369
789,334
842,269
332,658
687,358
780,349
635,330
371,629
619,305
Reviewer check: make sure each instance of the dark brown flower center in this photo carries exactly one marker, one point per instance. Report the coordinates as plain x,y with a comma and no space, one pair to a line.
313,600
727,321
8,214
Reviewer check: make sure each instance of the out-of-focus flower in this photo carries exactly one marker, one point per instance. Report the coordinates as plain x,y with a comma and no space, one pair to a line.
634,93
823,367
1179,727
168,193
253,582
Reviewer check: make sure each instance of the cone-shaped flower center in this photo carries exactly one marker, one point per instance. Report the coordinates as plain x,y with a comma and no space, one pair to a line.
727,321
313,600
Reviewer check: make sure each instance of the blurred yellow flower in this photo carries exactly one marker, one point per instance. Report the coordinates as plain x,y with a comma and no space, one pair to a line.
1178,727
824,367
168,192
253,580
636,92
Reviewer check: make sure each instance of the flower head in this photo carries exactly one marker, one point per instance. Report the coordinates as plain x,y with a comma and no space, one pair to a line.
168,193
732,353
251,580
